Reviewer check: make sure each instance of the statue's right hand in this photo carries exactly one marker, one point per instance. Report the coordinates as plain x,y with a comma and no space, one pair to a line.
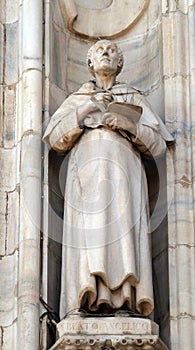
84,109
103,97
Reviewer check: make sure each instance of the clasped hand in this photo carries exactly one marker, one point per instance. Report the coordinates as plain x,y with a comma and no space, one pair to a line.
117,121
99,101
113,120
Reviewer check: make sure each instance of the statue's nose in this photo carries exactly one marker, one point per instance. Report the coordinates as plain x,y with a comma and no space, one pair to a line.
105,51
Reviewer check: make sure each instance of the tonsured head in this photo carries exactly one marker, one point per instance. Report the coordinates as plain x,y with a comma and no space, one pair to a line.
105,56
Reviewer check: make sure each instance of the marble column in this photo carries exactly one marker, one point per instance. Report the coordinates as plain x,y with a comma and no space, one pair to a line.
179,83
20,176
30,125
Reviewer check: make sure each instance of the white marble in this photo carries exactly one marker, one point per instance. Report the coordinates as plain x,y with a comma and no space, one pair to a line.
111,333
9,165
8,291
9,339
178,69
1,51
11,53
9,11
13,211
32,38
175,64
10,124
31,111
106,326
81,224
3,208
168,60
130,12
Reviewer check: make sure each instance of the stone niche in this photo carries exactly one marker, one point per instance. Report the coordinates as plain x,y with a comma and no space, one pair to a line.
142,48
108,333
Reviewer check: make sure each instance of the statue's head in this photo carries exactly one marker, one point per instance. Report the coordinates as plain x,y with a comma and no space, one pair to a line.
107,54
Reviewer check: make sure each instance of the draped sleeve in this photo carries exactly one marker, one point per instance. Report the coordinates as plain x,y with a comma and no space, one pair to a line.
149,141
63,130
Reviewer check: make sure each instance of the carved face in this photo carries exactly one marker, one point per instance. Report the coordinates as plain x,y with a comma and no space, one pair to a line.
105,58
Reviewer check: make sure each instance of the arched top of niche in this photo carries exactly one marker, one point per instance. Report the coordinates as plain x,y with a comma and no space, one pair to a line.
107,18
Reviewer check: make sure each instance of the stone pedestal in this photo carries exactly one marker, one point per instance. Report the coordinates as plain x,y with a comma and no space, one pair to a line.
107,333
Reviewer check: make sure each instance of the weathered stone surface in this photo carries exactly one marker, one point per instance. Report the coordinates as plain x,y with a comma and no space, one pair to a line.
139,34
109,343
12,221
32,53
106,326
76,63
185,325
10,123
148,21
19,108
143,67
31,91
155,97
28,292
80,19
1,338
176,64
3,207
56,97
153,14
29,114
2,11
10,337
178,5
184,220
1,114
57,14
177,89
107,333
172,5
164,6
134,71
72,81
58,45
11,54
9,11
8,291
9,166
30,179
181,261
1,52
145,34
134,66
183,5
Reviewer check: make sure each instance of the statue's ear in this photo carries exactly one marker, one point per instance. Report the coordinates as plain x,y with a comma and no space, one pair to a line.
90,64
120,62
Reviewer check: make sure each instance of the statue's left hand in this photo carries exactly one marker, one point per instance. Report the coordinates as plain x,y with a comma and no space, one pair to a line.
117,121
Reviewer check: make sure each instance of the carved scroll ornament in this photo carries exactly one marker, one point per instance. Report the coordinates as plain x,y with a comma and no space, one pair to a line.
108,19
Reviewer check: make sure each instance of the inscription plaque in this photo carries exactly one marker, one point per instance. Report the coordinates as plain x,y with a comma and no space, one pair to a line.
110,325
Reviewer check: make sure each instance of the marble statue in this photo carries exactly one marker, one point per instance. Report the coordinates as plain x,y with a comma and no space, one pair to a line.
106,127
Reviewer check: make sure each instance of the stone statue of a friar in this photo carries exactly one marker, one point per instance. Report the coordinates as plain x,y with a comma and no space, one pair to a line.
107,127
